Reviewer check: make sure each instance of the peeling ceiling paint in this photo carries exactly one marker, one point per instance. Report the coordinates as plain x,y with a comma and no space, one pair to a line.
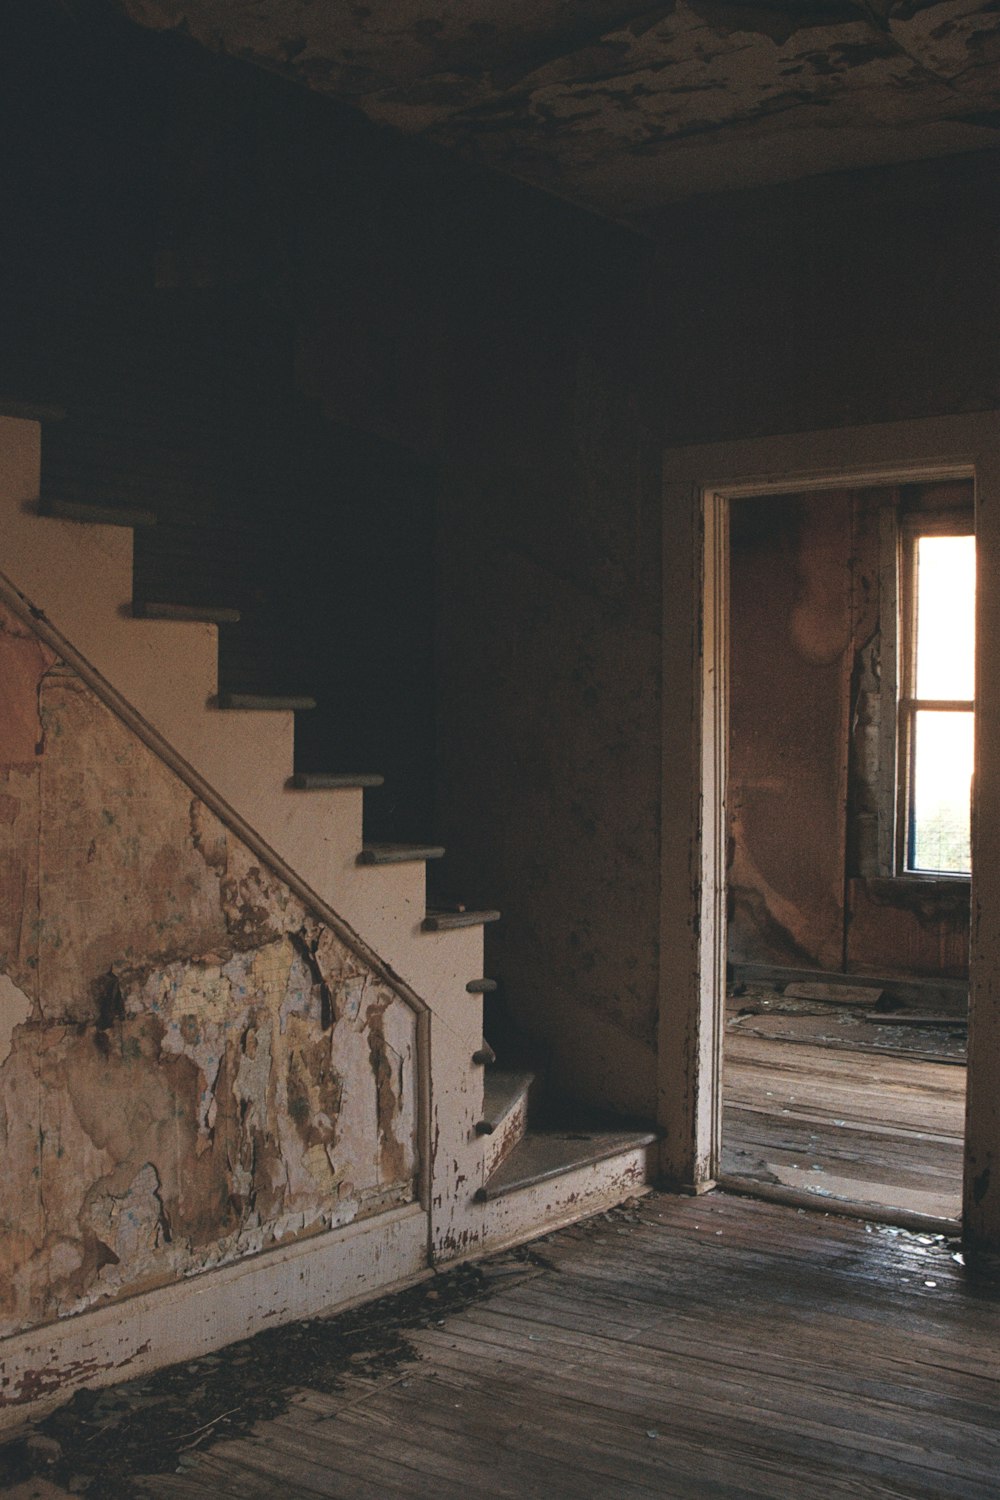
623,108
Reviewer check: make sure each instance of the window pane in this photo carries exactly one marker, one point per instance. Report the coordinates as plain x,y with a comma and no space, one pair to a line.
946,611
942,777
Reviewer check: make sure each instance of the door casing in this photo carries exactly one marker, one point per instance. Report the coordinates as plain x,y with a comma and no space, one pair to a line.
700,484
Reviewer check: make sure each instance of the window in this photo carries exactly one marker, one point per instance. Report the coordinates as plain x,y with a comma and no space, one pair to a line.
936,709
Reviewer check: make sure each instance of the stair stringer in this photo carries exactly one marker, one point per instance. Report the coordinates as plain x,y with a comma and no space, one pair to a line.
76,579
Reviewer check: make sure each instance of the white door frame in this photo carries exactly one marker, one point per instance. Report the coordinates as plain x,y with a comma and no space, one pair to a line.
700,483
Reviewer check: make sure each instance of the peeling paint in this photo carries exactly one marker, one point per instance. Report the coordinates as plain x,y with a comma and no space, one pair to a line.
15,1008
192,1067
624,109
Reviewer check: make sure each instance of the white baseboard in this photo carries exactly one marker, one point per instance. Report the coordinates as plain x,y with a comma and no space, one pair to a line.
41,1368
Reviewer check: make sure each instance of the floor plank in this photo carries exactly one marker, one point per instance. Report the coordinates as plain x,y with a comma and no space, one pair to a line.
682,1348
844,1124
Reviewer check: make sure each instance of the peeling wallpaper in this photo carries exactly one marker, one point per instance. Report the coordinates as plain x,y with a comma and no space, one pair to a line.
192,1066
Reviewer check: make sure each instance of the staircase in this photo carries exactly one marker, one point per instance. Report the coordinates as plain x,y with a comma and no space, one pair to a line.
494,1180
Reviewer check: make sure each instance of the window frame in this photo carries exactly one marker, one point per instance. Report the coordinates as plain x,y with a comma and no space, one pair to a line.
905,704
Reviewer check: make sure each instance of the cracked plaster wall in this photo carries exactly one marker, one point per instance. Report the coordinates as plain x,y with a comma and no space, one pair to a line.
624,108
192,1067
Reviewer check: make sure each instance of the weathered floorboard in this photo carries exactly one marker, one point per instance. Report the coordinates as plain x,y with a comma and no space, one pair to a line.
845,1125
683,1348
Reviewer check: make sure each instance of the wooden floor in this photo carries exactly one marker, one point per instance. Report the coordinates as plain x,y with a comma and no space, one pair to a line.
713,1347
870,1128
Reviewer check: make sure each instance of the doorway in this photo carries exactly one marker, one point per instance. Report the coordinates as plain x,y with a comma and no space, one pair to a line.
848,846
701,484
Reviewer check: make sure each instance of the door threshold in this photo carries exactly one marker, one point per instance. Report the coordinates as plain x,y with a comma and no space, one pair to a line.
848,1208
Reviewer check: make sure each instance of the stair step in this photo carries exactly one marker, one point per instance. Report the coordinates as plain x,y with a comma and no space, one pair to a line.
481,986
323,781
96,515
32,411
209,614
445,921
266,702
542,1154
398,854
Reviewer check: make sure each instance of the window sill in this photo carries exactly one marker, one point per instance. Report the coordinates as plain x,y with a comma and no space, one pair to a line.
946,892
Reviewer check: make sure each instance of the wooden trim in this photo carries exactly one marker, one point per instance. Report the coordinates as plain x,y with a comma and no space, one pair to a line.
198,1314
686,1151
888,785
939,705
846,1208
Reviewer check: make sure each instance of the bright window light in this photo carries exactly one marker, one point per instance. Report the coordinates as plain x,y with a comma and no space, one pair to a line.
939,716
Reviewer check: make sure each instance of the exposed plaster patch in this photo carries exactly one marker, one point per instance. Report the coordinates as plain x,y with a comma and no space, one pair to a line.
15,1008
24,661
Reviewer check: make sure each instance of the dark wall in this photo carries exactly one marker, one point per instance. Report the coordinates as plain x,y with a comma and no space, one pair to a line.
526,362
147,278
840,300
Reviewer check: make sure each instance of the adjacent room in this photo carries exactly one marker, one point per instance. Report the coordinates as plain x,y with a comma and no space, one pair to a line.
851,733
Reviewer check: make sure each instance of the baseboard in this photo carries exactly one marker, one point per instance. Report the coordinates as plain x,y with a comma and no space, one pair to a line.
41,1368
949,996
845,1208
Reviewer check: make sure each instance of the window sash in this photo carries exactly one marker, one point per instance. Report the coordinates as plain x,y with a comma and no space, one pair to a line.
909,708
911,528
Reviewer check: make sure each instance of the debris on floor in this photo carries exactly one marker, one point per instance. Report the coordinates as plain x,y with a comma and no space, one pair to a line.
862,1025
96,1443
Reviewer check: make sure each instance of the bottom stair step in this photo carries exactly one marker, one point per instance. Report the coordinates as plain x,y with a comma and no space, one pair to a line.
542,1154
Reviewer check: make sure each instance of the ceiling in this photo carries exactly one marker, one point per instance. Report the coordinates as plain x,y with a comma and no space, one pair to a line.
625,109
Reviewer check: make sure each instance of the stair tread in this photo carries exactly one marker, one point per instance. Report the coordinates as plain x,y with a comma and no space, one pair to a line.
94,514
321,781
268,702
550,1152
211,614
31,411
444,921
503,1090
396,854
